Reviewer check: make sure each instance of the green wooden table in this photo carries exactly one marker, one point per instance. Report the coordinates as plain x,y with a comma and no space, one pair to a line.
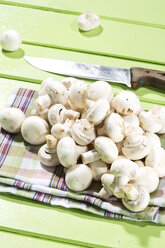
132,33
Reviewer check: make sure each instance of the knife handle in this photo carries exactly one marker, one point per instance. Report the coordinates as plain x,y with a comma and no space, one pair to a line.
146,77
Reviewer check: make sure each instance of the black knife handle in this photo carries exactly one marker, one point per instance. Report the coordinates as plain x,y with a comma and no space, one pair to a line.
146,77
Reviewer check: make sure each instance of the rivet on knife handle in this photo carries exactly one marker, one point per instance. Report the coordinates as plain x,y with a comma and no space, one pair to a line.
146,77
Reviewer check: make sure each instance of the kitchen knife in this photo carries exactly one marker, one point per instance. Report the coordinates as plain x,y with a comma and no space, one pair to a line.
134,77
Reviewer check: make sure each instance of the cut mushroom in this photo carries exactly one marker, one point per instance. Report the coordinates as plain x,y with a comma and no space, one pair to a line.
83,132
47,153
34,130
11,119
98,169
78,177
88,21
60,131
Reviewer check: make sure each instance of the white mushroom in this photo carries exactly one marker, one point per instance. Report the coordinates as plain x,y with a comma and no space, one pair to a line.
106,148
108,182
156,160
60,130
90,156
130,122
47,153
78,177
67,82
104,194
127,103
88,21
114,125
149,122
98,90
83,132
159,113
11,119
58,114
98,168
139,163
97,111
11,40
41,113
139,203
34,130
153,139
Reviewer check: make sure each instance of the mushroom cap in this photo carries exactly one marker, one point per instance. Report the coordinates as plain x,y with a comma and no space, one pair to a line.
83,132
97,111
106,148
156,160
68,81
66,151
114,125
140,203
11,40
11,119
77,94
153,139
98,169
54,114
88,21
34,130
159,113
147,178
78,177
149,122
56,90
100,89
130,122
47,159
127,103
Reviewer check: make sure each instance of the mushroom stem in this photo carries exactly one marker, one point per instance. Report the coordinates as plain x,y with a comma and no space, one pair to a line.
51,143
122,180
104,194
90,156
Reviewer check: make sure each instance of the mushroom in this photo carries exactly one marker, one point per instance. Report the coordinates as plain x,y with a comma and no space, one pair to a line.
98,90
147,178
67,82
77,94
106,148
60,130
139,163
156,160
51,92
104,194
83,132
108,182
149,122
11,40
11,119
88,21
34,130
159,113
97,111
90,156
47,154
41,113
140,203
127,103
78,177
67,151
153,139
58,114
130,122
114,125
98,168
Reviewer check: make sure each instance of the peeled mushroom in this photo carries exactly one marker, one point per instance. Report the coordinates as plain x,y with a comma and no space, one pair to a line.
98,169
78,177
88,21
11,119
149,122
34,130
106,148
126,103
98,90
83,132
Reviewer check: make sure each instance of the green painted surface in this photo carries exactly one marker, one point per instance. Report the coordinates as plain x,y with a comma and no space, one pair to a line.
148,12
60,30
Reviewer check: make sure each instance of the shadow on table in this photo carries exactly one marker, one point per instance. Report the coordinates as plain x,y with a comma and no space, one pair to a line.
15,54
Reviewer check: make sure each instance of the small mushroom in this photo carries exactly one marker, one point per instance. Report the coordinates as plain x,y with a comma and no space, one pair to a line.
11,119
34,130
139,203
78,177
47,154
60,130
98,168
67,82
97,111
149,122
83,132
11,40
156,160
90,156
98,90
106,148
88,21
159,113
126,103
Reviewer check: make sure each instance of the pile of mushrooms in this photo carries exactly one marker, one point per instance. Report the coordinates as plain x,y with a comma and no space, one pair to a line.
96,136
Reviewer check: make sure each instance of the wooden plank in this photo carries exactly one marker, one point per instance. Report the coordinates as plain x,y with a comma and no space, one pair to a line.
8,240
113,39
148,12
13,66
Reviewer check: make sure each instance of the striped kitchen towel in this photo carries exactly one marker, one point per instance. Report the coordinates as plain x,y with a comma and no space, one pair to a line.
22,174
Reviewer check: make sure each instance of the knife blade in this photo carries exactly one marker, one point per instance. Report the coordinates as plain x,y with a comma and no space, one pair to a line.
134,77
